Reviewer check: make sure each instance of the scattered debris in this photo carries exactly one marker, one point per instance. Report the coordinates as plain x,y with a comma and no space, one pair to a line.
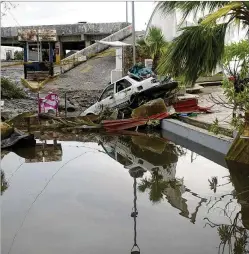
11,136
6,130
149,113
150,108
190,106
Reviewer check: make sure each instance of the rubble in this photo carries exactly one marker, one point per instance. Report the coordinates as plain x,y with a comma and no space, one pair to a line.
6,130
150,108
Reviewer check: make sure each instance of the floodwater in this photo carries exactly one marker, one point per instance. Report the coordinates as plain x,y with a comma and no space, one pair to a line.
121,194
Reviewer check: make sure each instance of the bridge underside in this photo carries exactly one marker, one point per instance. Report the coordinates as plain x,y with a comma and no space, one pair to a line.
72,42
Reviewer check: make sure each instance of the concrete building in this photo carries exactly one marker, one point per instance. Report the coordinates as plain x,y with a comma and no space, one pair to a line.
7,53
171,23
167,23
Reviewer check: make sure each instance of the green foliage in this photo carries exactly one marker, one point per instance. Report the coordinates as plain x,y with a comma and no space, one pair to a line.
9,90
240,99
236,63
154,45
195,52
199,49
234,237
215,127
238,54
18,55
186,7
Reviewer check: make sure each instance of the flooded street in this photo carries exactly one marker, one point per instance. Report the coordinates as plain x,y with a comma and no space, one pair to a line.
121,194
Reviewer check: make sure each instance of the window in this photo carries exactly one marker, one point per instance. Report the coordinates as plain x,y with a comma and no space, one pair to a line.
122,84
107,92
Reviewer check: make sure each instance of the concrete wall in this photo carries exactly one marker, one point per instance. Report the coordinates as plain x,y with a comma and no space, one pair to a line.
197,135
70,29
73,60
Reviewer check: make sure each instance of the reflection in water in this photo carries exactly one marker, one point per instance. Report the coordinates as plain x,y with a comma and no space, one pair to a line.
213,183
140,154
135,174
4,183
159,157
152,163
41,152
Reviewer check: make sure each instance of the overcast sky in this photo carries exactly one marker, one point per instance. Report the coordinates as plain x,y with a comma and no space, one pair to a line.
46,13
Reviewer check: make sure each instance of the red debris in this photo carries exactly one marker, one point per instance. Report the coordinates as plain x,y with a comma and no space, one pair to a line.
124,124
190,106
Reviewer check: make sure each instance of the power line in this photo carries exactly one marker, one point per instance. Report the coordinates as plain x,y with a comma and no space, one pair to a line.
14,18
39,194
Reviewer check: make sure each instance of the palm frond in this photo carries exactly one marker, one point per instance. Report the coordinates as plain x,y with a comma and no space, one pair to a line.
141,42
223,11
246,4
144,184
195,52
187,7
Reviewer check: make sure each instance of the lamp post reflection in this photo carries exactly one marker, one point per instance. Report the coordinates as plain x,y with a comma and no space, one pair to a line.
135,173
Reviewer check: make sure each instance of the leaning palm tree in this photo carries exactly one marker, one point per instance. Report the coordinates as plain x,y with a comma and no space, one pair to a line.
153,45
199,49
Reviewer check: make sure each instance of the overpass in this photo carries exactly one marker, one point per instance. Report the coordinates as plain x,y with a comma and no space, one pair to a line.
70,36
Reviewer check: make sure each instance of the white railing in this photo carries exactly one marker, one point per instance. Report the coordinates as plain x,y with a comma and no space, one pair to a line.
90,51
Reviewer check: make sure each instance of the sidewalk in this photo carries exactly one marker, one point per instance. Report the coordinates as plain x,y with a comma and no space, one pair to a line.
209,97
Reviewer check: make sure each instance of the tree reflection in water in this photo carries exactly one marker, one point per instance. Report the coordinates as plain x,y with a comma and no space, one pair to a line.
160,159
4,183
234,235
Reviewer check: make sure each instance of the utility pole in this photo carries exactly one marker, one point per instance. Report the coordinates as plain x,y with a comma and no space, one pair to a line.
126,12
133,33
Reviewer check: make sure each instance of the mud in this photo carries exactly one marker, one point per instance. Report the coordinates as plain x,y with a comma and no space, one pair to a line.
82,86
80,99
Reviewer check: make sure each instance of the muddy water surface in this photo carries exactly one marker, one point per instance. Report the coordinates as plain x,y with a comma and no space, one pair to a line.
121,194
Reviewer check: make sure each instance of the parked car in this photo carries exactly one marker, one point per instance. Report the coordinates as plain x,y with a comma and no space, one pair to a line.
131,91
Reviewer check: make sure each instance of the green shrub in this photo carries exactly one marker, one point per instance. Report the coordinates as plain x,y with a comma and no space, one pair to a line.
18,55
9,90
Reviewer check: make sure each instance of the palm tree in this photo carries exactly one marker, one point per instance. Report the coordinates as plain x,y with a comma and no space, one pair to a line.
153,45
199,49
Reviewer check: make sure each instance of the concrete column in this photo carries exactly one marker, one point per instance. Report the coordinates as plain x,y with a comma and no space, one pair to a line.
119,58
50,53
41,52
57,52
38,51
87,43
25,52
61,51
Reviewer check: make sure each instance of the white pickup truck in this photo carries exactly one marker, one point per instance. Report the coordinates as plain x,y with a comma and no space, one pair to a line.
130,91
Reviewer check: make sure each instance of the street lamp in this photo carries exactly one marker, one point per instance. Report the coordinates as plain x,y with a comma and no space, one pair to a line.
133,33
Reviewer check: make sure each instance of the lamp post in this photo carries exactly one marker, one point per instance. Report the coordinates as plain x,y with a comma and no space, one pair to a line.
133,33
126,11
